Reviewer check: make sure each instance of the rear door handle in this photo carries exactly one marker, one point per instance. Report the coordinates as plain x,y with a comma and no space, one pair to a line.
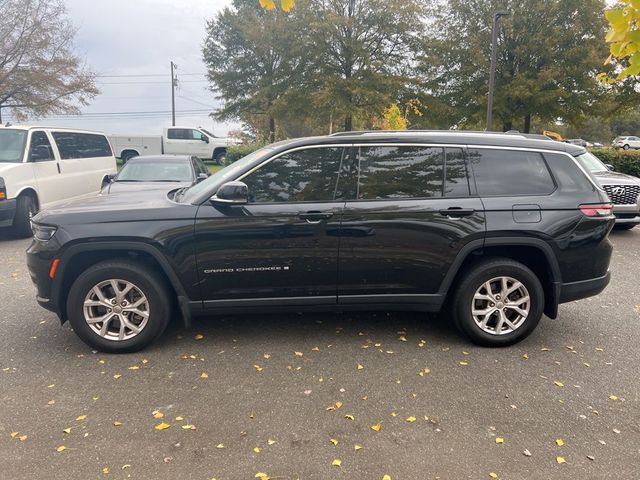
457,212
315,217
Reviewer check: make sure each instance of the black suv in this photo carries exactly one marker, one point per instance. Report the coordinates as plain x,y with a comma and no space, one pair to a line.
500,228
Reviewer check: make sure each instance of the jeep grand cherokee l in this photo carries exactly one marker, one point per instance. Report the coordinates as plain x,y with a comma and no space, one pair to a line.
499,228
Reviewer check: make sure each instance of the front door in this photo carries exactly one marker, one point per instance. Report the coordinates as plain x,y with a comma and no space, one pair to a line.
46,168
412,214
282,247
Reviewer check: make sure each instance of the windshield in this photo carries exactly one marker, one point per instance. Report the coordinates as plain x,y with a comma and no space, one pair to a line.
12,144
591,163
155,172
214,181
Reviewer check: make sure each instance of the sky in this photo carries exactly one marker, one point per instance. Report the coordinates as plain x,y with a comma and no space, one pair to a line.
122,40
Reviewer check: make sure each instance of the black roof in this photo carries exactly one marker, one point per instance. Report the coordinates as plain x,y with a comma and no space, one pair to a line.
462,137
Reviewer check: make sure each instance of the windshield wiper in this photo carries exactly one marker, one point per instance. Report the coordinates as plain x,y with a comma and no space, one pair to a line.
179,193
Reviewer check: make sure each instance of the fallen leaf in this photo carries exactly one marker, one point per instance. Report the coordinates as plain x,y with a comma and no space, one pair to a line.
336,462
134,367
411,419
360,367
271,442
560,460
591,457
162,426
499,440
349,417
204,375
61,448
525,356
333,441
357,447
376,427
67,430
386,477
464,364
125,466
262,476
188,427
258,368
338,404
220,445
526,453
558,384
22,438
298,354
315,349
51,402
157,414
402,338
117,376
559,442
105,470
179,418
199,337
613,397
493,474
117,423
256,449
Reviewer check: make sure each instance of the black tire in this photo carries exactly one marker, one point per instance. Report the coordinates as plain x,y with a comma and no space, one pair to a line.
624,226
473,280
145,279
626,147
220,158
26,208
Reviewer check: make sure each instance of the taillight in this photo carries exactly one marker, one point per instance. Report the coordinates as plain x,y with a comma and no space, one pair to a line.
598,210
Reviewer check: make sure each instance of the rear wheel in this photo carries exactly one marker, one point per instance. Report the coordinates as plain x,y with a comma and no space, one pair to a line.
119,306
128,155
626,147
220,158
498,303
26,208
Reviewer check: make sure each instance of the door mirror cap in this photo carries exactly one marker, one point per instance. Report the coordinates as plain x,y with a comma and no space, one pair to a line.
112,177
232,193
610,167
202,176
205,139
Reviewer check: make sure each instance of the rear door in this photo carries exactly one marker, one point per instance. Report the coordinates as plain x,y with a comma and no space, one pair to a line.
282,247
413,212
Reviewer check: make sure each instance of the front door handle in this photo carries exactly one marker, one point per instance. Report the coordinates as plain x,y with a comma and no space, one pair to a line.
457,212
315,217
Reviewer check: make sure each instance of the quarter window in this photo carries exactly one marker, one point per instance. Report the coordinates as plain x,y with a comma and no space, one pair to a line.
301,176
73,145
400,172
510,173
179,134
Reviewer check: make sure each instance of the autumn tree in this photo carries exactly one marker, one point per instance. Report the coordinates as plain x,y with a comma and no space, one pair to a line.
624,39
39,72
549,54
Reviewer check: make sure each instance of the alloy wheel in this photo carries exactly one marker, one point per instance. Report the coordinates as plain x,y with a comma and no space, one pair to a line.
501,305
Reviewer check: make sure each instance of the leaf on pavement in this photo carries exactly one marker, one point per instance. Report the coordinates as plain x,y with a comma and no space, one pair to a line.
558,384
105,471
402,338
360,367
386,477
81,417
357,447
204,375
117,376
411,419
559,442
613,397
376,427
117,423
220,445
157,414
333,441
560,460
256,449
298,354
67,430
336,462
271,441
199,336
61,448
162,426
464,364
349,417
262,476
493,474
499,440
258,368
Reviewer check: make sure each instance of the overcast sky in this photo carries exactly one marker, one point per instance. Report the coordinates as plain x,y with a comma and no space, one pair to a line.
141,37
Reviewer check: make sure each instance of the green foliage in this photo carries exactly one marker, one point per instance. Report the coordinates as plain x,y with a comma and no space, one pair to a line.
236,152
392,119
548,54
624,39
624,161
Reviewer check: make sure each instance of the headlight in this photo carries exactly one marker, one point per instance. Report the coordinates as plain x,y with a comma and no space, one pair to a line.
3,189
43,233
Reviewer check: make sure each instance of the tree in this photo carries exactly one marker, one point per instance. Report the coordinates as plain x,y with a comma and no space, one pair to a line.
286,5
548,56
362,52
624,39
252,58
39,73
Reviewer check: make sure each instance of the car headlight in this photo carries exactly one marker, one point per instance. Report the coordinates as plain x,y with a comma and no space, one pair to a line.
43,233
3,189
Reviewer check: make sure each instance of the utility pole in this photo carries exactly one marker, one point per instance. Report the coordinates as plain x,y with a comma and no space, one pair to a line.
174,84
492,68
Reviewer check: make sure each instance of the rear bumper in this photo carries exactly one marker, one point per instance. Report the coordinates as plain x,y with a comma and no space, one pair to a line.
627,214
7,212
586,288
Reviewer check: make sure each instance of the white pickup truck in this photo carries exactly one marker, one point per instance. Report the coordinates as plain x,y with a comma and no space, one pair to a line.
175,141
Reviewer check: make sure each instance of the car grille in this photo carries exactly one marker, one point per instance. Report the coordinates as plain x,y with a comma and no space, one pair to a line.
623,194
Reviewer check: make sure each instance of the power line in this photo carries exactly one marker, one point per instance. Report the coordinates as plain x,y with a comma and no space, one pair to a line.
148,75
150,82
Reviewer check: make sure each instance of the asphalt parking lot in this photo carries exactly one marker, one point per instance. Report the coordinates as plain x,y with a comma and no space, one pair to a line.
296,396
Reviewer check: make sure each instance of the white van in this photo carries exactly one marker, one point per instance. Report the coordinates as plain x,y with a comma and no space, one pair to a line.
42,165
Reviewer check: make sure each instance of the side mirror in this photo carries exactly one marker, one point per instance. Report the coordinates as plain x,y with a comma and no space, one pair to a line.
232,193
205,139
202,176
112,177
610,167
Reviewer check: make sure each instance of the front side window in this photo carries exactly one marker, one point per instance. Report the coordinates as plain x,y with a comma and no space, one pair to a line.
302,176
388,172
510,172
74,145
40,148
196,135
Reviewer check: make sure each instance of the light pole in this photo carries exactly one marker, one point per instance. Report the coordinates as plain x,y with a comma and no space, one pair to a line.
174,84
492,68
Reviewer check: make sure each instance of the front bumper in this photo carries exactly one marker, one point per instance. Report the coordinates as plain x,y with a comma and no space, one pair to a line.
583,289
38,264
7,212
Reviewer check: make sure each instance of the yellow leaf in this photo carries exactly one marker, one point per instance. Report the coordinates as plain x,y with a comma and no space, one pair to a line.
267,356
493,474
499,440
22,438
613,397
560,460
117,423
360,367
558,384
349,417
464,364
287,5
157,414
402,338
333,441
386,477
525,356
81,417
298,354
162,426
559,442
51,386
376,427
394,414
336,462
188,427
220,445
61,448
271,442
357,447
267,4
67,430
134,367
117,376
315,349
105,470
258,368
260,475
256,449
199,336
13,434
338,404
411,419
204,375
179,418
125,466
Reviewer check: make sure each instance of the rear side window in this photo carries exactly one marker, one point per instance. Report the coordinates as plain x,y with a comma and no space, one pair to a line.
510,173
456,182
388,172
73,145
301,176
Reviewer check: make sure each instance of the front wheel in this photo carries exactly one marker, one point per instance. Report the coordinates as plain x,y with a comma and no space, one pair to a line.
499,303
118,306
220,158
26,208
626,147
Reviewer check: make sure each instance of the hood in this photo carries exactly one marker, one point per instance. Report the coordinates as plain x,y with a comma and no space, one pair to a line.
6,167
615,178
119,187
141,205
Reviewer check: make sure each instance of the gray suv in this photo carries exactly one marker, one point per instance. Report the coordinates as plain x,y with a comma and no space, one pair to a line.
623,190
